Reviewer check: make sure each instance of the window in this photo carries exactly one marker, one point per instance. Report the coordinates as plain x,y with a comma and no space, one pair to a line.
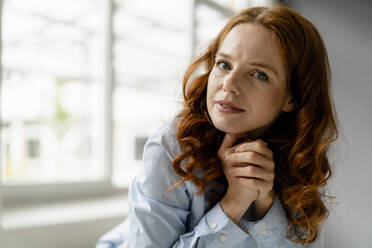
151,51
33,146
52,78
85,83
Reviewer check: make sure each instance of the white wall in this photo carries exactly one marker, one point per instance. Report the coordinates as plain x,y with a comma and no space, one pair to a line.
346,29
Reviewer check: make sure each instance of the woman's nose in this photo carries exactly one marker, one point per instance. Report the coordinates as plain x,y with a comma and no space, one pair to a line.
231,83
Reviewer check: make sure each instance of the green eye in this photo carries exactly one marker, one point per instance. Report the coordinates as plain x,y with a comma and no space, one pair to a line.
261,76
223,65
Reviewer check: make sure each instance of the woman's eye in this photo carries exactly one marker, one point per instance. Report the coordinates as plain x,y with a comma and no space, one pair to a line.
261,75
223,65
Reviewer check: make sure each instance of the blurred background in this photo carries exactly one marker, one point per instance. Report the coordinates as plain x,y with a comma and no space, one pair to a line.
84,83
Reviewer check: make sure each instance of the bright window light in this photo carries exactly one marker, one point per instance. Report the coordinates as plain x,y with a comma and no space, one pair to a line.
52,70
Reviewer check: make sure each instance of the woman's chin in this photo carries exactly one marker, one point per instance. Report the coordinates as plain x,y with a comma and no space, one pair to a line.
230,129
241,132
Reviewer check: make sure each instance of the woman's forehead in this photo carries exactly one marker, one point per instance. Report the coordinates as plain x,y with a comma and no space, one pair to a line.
251,41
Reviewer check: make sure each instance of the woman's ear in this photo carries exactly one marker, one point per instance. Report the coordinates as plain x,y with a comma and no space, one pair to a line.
289,105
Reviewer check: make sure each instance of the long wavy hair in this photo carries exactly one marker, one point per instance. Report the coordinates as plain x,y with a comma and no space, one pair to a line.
299,139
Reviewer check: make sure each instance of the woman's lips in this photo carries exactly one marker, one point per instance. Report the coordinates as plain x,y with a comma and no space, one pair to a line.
228,109
227,103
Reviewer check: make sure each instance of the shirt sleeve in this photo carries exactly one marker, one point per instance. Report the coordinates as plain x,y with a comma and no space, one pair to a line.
215,229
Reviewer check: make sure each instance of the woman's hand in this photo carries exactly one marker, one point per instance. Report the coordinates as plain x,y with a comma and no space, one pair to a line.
249,169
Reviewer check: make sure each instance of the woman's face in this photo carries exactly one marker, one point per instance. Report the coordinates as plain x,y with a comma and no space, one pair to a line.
250,74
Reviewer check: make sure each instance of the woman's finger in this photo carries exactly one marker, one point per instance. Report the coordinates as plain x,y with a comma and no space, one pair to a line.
252,172
228,141
250,157
254,183
258,146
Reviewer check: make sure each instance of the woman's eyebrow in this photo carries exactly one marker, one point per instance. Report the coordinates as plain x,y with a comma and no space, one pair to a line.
224,55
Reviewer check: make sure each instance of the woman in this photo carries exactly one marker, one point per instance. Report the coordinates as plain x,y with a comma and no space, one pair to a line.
243,162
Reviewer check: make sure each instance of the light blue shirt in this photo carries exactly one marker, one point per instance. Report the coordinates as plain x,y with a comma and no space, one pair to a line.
181,218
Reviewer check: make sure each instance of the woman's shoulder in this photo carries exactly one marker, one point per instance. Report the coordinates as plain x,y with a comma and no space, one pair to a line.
165,139
156,174
160,150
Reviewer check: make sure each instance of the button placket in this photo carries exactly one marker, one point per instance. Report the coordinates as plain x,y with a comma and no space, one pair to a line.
213,225
223,238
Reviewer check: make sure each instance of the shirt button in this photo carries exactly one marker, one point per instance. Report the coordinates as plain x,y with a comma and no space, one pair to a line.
265,231
223,238
213,225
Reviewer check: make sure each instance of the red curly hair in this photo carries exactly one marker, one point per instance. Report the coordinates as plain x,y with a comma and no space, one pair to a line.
299,139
